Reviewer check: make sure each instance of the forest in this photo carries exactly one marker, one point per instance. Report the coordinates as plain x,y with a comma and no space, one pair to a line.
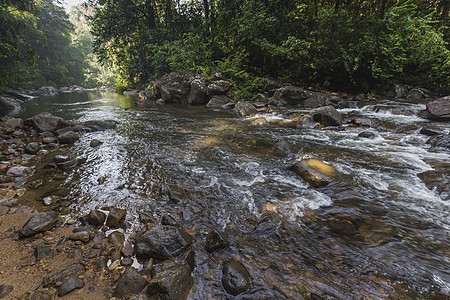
356,46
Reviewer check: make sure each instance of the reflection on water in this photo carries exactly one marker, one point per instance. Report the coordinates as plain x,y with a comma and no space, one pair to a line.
376,232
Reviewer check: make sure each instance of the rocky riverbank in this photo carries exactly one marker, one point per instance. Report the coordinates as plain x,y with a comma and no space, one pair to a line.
48,254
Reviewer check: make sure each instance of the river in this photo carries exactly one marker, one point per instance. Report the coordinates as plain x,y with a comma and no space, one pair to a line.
376,232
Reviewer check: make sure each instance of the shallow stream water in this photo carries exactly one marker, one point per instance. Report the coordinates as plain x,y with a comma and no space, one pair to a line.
376,232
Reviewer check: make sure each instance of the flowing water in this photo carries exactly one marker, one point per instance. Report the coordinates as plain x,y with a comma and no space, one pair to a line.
376,232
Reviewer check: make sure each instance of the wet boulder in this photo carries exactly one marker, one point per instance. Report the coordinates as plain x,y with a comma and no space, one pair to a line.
130,283
80,236
439,109
174,87
98,125
39,222
438,180
401,91
162,242
300,97
46,122
14,123
173,283
327,116
235,277
115,217
197,94
218,101
70,284
216,240
95,143
314,172
307,121
68,137
96,217
244,109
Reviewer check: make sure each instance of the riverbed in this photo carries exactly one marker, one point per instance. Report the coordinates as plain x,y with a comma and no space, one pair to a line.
376,232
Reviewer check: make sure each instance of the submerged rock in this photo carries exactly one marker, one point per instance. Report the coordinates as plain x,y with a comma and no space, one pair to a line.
216,240
314,172
38,223
173,283
437,180
235,277
129,284
440,140
307,121
162,242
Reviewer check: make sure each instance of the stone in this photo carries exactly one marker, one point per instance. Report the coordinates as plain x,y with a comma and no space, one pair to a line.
49,140
306,122
38,295
417,94
41,251
18,171
14,123
130,283
58,276
116,238
197,93
39,222
440,140
327,116
98,237
32,148
244,109
61,158
162,242
100,263
430,131
5,289
235,277
437,180
172,283
160,101
218,87
439,109
259,122
95,143
168,220
97,125
114,265
300,97
216,240
70,284
314,172
218,101
96,217
401,91
68,137
46,122
367,134
80,236
115,217
126,261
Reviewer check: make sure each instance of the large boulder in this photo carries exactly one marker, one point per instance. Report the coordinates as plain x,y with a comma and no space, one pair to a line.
244,109
439,109
9,104
46,122
162,242
235,277
327,116
130,283
174,88
173,283
218,101
298,96
197,94
39,222
218,87
314,172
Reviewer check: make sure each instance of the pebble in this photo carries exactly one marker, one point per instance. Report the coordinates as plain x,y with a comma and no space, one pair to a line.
114,265
126,261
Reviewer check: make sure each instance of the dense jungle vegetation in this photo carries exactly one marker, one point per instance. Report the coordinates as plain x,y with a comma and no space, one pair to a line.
338,45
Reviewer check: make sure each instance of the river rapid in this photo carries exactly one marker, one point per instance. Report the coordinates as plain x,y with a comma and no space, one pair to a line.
375,232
